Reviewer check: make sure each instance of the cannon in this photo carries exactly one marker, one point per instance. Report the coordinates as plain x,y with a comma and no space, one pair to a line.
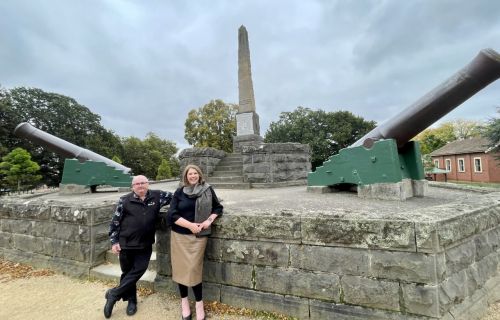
385,163
88,170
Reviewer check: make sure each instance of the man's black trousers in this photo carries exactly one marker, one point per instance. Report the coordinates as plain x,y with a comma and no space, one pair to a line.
134,263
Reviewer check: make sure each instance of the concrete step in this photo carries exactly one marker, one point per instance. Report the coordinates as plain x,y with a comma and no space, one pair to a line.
230,185
227,173
112,272
213,180
113,259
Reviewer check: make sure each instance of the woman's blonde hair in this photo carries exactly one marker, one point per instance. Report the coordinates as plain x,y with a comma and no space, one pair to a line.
184,174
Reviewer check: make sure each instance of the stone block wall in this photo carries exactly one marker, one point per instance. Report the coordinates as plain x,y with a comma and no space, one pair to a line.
322,267
70,239
205,158
276,162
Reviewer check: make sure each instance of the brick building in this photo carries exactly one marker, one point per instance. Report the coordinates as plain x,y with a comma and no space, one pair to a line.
467,160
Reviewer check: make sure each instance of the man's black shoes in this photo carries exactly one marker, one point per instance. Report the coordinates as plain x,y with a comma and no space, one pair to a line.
131,307
110,303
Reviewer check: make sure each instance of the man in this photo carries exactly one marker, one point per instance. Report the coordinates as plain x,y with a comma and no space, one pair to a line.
132,234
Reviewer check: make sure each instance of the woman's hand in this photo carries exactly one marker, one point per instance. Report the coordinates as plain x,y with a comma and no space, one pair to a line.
207,223
195,228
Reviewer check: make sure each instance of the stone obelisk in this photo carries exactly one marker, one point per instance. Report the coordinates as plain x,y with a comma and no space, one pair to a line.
247,120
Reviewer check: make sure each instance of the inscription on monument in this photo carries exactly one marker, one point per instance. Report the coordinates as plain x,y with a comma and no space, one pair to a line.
244,124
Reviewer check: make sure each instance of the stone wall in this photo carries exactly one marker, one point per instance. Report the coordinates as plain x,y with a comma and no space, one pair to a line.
205,158
276,162
323,267
70,239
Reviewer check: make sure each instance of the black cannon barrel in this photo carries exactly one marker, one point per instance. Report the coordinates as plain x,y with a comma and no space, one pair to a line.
62,147
480,72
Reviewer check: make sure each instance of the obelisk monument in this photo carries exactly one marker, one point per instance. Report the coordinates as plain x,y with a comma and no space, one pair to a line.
247,120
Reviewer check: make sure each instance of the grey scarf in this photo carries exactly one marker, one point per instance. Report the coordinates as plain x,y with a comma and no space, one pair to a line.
203,206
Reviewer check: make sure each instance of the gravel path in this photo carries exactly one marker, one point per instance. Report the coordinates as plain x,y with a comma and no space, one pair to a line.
59,297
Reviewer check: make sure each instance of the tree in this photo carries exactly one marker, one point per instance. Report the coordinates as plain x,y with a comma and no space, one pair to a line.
144,157
466,129
434,138
492,131
213,125
19,171
58,115
325,132
164,171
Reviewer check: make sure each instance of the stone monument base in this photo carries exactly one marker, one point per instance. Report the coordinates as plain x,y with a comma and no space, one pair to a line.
385,191
246,140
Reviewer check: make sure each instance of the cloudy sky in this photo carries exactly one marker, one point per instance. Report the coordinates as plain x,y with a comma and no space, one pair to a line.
142,65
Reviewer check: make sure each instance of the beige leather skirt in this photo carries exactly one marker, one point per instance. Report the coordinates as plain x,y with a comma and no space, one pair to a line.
187,252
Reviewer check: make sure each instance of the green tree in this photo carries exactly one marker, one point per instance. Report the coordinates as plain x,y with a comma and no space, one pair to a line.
325,132
492,131
434,138
175,166
164,171
213,125
466,129
144,157
19,171
58,115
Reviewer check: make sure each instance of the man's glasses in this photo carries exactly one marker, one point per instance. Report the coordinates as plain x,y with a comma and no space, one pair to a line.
139,183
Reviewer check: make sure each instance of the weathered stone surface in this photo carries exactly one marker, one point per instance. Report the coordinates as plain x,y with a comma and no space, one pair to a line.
370,293
421,299
295,282
162,241
206,158
71,214
6,240
264,227
255,252
28,243
214,249
67,249
407,267
163,264
452,291
382,234
327,310
103,213
341,261
31,211
298,307
460,257
426,236
240,275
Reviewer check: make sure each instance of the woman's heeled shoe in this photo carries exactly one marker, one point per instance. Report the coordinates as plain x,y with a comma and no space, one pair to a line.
186,318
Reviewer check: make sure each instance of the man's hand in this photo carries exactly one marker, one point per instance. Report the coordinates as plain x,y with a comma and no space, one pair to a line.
116,248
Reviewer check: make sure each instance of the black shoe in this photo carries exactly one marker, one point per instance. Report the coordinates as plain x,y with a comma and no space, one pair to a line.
131,307
110,303
186,318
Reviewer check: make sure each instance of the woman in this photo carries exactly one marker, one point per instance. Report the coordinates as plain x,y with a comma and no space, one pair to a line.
193,209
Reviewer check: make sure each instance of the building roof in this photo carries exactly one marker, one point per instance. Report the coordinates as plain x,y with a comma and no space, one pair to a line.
472,145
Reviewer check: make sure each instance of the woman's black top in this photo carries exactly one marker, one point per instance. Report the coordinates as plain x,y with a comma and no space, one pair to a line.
184,207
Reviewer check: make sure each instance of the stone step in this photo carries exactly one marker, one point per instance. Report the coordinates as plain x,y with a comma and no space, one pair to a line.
230,163
218,179
113,259
227,173
230,185
233,156
229,168
112,272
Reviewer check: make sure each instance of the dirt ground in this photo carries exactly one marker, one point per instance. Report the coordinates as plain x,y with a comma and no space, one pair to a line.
60,297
